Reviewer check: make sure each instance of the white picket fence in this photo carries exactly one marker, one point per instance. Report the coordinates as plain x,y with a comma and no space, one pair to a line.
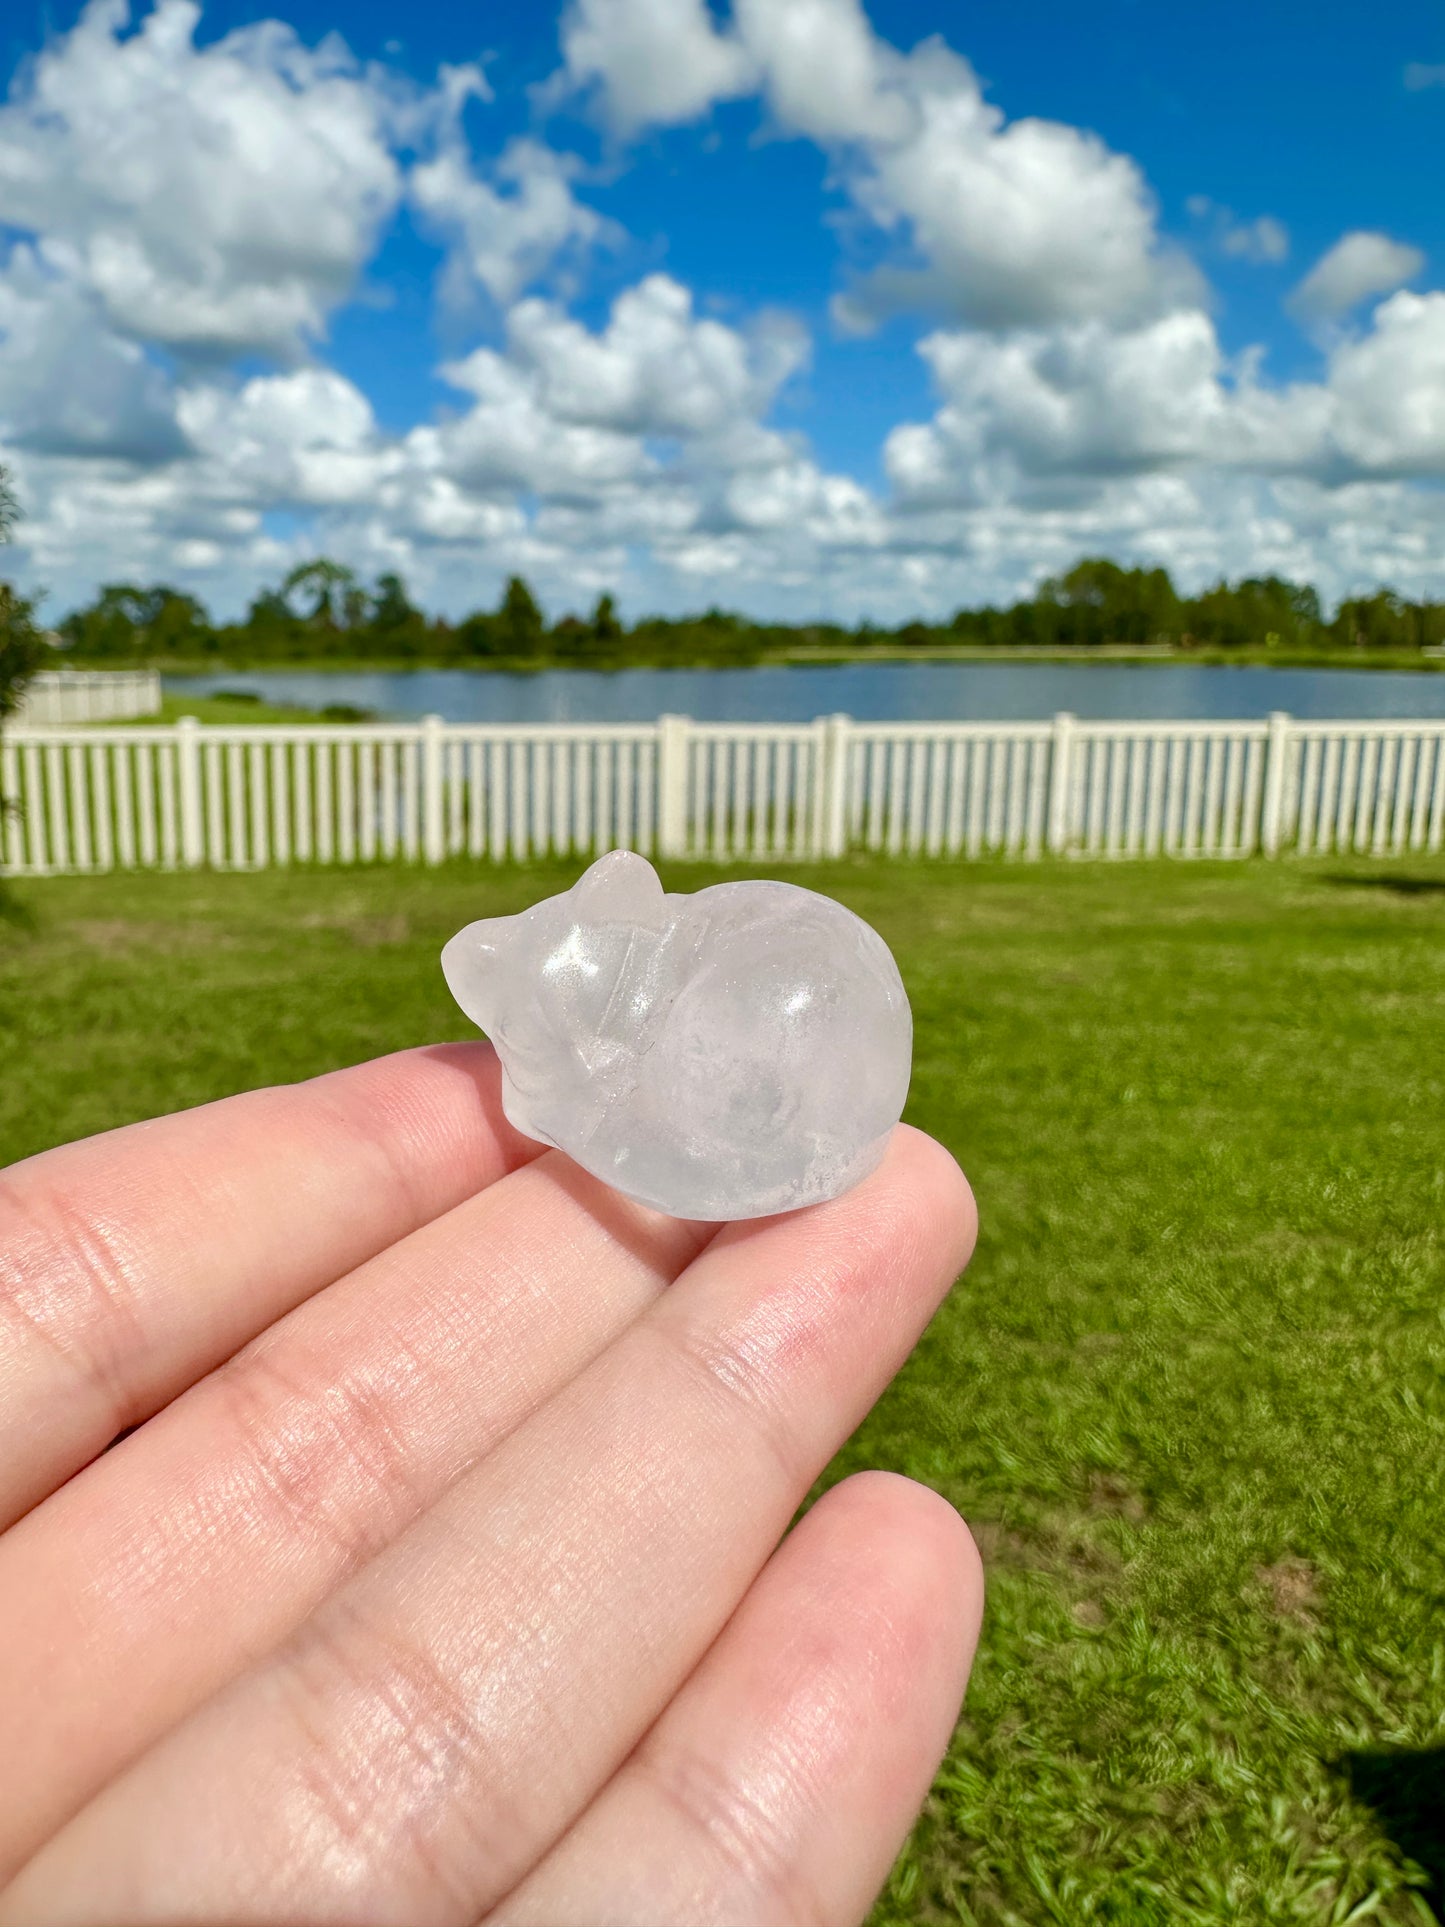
245,798
61,696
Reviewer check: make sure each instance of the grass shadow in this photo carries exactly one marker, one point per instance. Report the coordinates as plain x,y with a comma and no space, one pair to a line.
1406,1790
1397,886
15,915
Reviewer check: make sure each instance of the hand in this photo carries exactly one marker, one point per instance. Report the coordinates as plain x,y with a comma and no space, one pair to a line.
441,1580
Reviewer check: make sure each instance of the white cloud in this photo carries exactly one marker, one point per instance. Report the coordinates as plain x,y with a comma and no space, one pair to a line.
504,240
657,368
1420,75
305,438
993,222
1357,266
640,456
1083,400
1261,240
213,200
68,384
826,73
1389,389
570,414
1019,415
1016,223
656,62
577,450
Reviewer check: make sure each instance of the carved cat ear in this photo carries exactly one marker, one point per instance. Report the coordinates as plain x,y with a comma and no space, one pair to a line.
622,887
469,963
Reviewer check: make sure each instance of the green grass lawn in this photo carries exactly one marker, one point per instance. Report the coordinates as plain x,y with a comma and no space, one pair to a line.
1191,1393
240,707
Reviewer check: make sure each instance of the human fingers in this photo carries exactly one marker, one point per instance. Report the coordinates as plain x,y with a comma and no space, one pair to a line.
134,1262
170,1564
778,1787
442,1719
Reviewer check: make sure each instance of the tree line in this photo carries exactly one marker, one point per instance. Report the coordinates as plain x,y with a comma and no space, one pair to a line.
323,610
22,646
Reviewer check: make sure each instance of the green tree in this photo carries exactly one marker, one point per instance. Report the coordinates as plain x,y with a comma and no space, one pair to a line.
22,648
394,624
391,607
327,592
129,622
478,636
520,621
606,628
1380,621
1099,601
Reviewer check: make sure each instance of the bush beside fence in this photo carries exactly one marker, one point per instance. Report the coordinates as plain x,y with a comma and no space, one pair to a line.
184,795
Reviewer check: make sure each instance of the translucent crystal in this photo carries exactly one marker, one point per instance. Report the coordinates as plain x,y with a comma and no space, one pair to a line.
725,1055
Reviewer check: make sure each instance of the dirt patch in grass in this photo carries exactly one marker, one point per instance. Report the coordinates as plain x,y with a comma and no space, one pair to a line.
118,935
1293,1587
1109,1492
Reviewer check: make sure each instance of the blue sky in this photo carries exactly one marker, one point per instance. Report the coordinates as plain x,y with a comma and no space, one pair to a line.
787,304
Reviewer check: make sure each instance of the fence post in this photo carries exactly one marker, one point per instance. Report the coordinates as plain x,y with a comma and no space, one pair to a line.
433,825
1271,827
818,789
1060,781
188,773
672,754
835,788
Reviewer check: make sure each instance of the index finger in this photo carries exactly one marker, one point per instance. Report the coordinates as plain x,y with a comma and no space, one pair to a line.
133,1263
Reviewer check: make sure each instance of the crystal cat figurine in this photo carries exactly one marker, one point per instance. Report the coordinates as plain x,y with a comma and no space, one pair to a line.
731,1054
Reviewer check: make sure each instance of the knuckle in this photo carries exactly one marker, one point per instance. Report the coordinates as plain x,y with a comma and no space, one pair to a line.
68,1284
392,1757
760,1869
743,1378
327,1457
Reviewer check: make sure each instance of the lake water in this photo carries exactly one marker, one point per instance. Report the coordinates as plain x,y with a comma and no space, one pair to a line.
870,691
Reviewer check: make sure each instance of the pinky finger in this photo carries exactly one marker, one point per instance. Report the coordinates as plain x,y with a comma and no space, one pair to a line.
780,1784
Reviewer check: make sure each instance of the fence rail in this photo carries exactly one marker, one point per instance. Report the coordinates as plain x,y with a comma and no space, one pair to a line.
63,696
183,795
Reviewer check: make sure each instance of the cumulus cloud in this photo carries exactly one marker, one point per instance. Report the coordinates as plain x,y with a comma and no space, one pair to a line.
569,413
304,438
213,200
994,222
574,449
176,212
825,72
654,62
1358,266
505,236
1087,401
640,456
1388,388
657,368
68,384
1420,74
222,200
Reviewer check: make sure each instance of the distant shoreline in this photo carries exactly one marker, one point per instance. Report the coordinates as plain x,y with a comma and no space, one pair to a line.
803,657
